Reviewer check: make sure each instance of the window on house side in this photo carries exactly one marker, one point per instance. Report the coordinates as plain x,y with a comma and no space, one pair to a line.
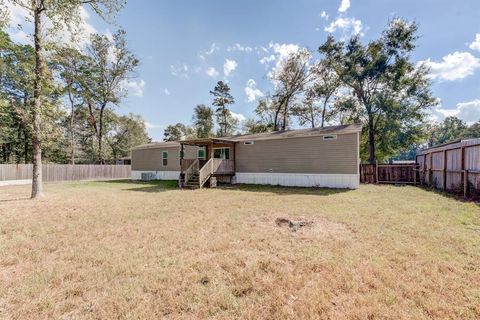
165,158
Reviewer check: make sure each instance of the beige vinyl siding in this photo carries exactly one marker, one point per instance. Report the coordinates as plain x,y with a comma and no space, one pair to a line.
300,155
151,159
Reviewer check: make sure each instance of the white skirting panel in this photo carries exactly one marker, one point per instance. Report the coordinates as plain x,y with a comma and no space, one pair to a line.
159,175
347,181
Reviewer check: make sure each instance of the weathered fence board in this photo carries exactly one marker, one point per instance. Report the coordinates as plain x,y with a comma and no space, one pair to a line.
453,167
64,172
388,173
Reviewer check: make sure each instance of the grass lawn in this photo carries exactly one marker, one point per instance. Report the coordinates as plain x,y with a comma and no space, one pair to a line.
101,250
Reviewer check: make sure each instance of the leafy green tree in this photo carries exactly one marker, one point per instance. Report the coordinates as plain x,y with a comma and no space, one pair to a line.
319,94
72,65
177,132
451,129
252,126
473,131
103,83
62,13
290,79
203,121
221,99
392,94
125,133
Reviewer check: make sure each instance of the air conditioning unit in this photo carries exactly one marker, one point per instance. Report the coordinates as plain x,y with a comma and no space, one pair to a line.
148,176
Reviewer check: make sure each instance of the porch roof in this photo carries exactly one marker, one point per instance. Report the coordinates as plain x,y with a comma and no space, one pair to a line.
205,141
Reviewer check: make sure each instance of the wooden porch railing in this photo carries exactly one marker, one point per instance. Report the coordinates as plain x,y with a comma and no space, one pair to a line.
186,163
215,166
191,170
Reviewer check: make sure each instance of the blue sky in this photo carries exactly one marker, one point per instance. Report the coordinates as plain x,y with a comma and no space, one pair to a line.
185,47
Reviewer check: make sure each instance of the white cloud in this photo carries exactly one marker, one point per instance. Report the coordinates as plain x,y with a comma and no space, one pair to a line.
166,91
239,47
284,50
475,45
213,48
136,87
251,91
240,117
78,38
229,66
344,5
180,70
267,59
324,15
212,72
348,26
457,65
467,111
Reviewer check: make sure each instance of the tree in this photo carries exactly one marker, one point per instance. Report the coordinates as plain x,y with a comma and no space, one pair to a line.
103,83
318,96
221,99
473,131
124,133
391,93
61,13
72,65
177,132
451,129
203,121
289,80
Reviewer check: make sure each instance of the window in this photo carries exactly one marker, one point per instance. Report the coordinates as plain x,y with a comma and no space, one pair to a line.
221,153
165,158
332,137
201,154
248,143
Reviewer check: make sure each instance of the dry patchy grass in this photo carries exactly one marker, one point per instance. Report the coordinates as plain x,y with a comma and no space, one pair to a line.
121,250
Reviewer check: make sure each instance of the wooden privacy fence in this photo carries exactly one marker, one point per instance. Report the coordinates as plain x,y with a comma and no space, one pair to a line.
453,167
388,173
65,172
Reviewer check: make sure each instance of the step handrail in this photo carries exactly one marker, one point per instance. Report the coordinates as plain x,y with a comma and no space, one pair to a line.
190,170
205,172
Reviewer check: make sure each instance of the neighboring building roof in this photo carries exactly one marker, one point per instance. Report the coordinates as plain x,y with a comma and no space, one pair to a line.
297,133
451,145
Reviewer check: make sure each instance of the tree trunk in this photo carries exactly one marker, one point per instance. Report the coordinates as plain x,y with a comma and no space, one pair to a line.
72,133
37,183
324,111
371,141
101,160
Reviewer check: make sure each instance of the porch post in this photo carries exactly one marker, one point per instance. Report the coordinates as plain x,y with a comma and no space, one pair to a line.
234,155
182,154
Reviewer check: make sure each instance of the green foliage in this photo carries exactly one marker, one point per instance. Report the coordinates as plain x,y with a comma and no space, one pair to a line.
390,94
177,132
451,129
203,121
221,99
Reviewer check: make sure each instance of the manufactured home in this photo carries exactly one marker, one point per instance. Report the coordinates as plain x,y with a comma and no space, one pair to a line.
317,157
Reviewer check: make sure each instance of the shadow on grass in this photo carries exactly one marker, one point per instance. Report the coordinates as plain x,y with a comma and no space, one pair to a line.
280,190
15,199
167,185
153,186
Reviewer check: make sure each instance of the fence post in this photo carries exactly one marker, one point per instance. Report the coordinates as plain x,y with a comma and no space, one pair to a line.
376,172
444,170
465,183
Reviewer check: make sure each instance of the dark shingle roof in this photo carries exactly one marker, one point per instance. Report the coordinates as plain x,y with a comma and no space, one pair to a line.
297,133
311,132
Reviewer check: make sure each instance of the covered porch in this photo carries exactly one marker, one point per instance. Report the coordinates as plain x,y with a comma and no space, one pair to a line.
214,158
